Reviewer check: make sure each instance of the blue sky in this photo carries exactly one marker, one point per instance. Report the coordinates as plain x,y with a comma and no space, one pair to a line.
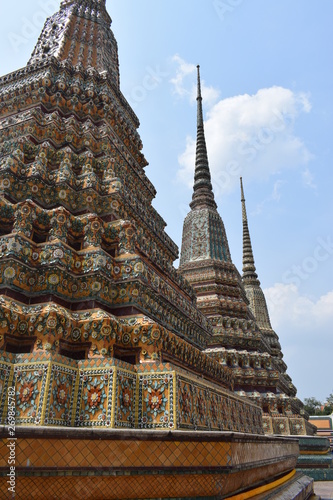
267,87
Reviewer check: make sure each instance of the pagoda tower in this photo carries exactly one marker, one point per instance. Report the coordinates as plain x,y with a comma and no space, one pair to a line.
87,267
283,402
106,387
205,259
243,338
254,293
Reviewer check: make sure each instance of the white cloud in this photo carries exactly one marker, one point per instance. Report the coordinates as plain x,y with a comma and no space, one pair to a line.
304,326
304,314
275,197
184,83
308,179
249,135
184,69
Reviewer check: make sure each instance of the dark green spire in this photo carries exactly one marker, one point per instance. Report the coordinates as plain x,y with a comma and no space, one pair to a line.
249,268
203,195
204,236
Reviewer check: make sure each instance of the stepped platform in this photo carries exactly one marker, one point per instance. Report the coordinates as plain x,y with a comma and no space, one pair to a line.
132,464
316,459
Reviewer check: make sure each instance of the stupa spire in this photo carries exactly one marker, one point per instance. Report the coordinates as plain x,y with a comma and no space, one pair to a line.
249,268
204,237
79,36
251,282
97,4
202,190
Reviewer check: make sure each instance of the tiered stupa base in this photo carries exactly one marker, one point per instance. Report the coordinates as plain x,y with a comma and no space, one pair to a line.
101,464
315,458
287,425
105,429
48,389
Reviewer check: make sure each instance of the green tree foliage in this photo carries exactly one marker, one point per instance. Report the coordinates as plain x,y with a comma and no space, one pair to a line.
315,407
312,406
330,399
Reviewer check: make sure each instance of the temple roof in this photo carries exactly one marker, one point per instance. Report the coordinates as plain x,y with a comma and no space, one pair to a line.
79,34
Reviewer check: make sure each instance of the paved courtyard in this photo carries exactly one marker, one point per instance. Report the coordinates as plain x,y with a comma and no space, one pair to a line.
324,489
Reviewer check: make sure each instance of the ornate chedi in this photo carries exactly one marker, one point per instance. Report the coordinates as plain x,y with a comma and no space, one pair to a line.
280,405
243,338
102,345
86,266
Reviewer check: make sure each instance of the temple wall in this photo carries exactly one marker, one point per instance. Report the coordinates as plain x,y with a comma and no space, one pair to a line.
123,464
53,390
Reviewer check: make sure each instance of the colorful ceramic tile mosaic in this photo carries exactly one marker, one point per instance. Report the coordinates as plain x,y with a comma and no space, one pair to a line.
127,375
125,399
30,382
86,267
184,465
243,338
61,399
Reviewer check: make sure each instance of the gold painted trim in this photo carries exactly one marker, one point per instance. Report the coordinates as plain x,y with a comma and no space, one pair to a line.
76,397
263,489
208,384
68,367
46,393
41,362
4,396
315,452
175,400
114,395
137,402
125,370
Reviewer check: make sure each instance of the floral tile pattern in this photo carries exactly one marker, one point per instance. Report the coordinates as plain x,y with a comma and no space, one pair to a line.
86,267
281,426
297,426
125,399
267,424
98,392
186,415
156,401
30,384
6,372
95,398
60,406
204,408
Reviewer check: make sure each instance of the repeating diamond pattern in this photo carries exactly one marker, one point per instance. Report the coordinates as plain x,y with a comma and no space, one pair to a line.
136,487
104,469
76,453
127,467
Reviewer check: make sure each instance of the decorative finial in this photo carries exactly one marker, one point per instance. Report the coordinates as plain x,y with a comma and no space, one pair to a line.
199,100
199,83
242,190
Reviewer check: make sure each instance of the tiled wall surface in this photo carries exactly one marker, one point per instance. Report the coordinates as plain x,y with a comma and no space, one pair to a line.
53,390
134,464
